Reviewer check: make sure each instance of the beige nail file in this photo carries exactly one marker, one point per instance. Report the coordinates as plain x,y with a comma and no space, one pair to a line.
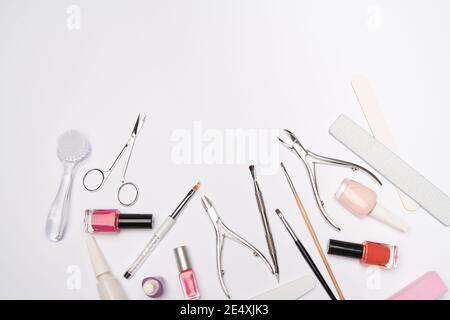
289,291
378,125
392,167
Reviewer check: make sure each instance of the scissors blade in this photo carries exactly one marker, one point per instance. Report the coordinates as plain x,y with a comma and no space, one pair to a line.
138,125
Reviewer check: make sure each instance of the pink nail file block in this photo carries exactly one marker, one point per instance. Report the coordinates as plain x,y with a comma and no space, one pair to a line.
428,287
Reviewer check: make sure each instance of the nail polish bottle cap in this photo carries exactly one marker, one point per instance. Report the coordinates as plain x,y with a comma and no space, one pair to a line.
135,220
383,215
182,257
99,263
153,286
347,249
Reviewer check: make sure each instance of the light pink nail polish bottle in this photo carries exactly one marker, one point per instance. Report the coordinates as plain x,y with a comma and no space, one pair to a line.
362,201
187,276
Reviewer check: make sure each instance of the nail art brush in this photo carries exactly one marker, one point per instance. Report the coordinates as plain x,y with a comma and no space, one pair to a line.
160,233
306,255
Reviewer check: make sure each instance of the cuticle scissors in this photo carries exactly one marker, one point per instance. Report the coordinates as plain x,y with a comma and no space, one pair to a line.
222,231
310,159
104,174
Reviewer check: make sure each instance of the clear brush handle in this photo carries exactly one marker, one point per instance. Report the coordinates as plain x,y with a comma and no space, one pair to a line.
57,217
151,245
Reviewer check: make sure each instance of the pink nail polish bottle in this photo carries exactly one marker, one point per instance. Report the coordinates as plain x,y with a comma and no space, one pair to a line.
111,220
187,275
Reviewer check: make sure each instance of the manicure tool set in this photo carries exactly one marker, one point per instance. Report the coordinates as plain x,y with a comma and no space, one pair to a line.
358,199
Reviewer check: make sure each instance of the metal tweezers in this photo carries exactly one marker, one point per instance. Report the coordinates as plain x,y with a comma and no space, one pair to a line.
223,231
310,159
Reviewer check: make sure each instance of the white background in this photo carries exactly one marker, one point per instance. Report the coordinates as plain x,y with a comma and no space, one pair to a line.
229,64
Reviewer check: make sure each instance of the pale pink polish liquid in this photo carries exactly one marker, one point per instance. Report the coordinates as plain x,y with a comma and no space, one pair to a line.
187,277
189,284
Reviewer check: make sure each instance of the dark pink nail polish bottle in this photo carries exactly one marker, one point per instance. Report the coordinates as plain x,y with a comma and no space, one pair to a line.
112,220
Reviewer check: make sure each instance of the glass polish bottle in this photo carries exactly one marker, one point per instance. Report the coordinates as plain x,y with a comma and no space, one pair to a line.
371,253
187,277
112,220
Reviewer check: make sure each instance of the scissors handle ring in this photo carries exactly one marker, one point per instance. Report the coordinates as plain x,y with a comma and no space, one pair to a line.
136,193
102,181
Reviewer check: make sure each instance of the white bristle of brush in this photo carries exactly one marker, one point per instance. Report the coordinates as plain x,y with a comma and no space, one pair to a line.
72,146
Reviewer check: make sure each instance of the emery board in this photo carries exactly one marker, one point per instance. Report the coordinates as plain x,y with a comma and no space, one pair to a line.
392,167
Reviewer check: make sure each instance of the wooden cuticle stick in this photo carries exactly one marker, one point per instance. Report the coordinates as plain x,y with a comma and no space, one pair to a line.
313,233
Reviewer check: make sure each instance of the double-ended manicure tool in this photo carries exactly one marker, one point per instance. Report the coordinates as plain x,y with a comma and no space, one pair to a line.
265,221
